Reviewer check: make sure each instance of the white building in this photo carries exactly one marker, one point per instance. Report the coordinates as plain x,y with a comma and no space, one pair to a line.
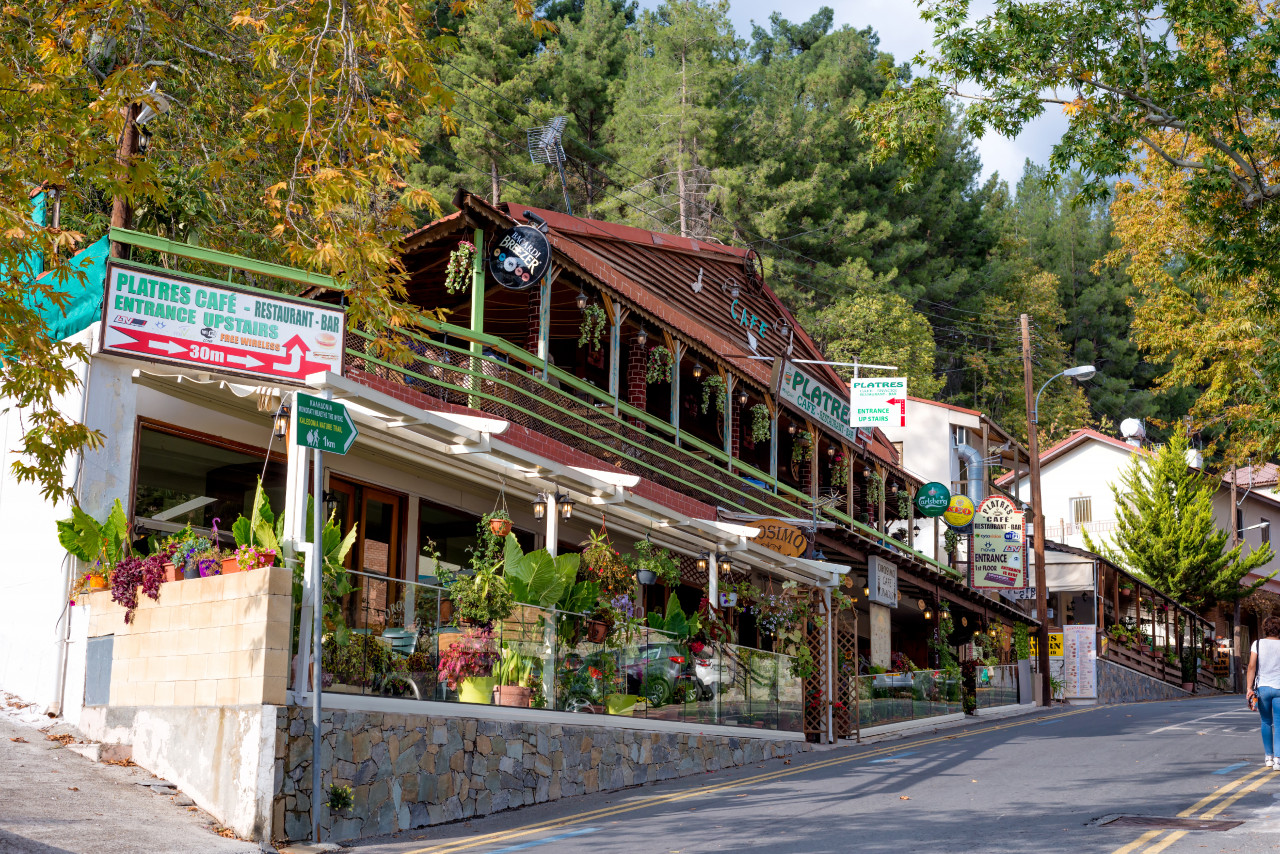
957,447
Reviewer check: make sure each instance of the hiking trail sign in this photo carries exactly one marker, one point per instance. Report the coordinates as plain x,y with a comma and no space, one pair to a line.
324,425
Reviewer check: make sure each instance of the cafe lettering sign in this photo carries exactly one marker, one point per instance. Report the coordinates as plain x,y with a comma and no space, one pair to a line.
161,317
819,402
520,258
780,537
999,545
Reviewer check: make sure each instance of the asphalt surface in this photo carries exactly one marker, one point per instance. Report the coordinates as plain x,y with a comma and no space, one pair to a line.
1042,783
53,800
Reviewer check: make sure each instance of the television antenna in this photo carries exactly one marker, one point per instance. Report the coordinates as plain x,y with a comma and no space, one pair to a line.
544,147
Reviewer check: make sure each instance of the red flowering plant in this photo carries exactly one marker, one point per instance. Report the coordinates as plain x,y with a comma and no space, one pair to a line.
602,564
133,573
473,654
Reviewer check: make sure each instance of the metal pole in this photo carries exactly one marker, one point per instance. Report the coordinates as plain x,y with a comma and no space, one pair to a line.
315,569
1033,448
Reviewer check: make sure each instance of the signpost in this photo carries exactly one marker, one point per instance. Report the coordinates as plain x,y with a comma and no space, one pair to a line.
882,581
999,545
932,500
167,318
878,402
780,537
323,425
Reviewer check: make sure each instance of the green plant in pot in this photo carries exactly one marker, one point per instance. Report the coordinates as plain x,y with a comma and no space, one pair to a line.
512,674
652,563
467,666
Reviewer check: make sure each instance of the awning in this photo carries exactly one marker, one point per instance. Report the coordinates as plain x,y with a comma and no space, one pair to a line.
83,305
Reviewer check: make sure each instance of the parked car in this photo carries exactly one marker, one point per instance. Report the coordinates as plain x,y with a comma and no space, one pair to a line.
715,672
659,672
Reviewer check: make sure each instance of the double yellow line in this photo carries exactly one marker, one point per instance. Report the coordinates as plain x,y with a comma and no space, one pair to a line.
1151,837
755,780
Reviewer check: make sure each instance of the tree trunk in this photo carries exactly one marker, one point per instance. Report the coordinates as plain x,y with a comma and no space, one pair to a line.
495,194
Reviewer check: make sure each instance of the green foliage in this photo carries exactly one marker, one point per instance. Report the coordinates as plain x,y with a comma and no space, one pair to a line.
761,429
92,542
879,328
646,555
539,579
675,621
512,668
340,798
659,365
1021,641
594,323
357,659
714,394
481,598
1165,529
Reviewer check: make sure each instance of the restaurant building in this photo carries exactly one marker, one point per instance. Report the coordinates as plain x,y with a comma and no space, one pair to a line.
575,379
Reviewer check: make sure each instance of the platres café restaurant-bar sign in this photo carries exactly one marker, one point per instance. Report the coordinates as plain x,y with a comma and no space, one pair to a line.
229,330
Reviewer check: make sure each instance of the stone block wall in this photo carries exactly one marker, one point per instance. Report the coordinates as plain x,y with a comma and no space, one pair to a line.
1119,684
218,641
410,771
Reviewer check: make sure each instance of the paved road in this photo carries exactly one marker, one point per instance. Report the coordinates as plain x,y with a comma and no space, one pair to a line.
1037,784
54,801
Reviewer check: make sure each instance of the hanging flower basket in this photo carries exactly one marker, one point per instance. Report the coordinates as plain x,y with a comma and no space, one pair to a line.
457,273
597,631
500,527
658,369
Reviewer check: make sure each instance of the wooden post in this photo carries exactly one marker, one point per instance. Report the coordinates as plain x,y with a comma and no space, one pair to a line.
477,317
677,355
1042,605
121,212
880,520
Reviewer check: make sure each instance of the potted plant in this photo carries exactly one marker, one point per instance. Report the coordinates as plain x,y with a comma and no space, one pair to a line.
481,598
653,563
714,393
602,564
512,673
1188,670
658,366
97,545
249,558
457,274
594,321
499,523
467,667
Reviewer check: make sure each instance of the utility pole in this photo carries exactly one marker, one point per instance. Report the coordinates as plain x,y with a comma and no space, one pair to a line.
1237,677
1037,516
121,215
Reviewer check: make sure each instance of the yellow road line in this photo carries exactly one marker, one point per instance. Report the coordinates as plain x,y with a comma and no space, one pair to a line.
1237,796
656,800
1166,842
1138,843
1217,793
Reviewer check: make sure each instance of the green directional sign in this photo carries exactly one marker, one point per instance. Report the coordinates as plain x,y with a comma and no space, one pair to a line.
324,425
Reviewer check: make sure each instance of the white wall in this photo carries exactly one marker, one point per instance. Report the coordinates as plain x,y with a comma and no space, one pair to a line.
1087,470
1254,508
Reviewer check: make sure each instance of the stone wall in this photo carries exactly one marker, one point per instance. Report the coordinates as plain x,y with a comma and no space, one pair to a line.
1119,684
410,771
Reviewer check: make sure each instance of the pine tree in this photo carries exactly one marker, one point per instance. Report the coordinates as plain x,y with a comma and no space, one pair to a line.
1166,531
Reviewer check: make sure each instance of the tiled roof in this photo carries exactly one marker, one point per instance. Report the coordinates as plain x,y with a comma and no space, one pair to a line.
1077,438
1267,474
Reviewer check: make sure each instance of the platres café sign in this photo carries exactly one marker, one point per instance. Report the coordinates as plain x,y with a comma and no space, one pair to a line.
825,406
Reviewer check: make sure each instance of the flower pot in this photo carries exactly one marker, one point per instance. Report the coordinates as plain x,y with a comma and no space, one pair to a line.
512,695
500,527
172,573
1188,686
229,565
646,576
620,704
728,600
597,631
477,689
97,582
446,610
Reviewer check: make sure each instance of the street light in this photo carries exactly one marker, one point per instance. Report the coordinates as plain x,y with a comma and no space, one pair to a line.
1080,372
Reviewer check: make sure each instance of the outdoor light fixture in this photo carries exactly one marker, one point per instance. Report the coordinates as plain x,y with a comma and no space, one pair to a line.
791,428
702,562
540,507
866,587
831,451
281,422
734,292
697,369
723,563
928,615
581,300
330,501
742,397
641,337
566,506
784,329
1081,372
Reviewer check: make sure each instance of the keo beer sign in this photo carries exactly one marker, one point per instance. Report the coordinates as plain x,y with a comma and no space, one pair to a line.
151,315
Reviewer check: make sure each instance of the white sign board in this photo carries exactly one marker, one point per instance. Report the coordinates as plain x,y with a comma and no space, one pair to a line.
819,402
878,402
1079,661
882,580
166,318
999,545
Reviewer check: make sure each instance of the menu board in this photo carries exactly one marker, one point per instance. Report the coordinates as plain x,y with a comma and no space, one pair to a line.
1079,661
999,545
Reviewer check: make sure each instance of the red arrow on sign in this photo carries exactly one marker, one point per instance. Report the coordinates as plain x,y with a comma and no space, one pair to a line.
902,408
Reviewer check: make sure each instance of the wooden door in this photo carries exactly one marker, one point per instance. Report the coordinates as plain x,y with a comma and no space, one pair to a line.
378,515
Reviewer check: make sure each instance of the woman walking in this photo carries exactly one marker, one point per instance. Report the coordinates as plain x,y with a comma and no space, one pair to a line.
1263,680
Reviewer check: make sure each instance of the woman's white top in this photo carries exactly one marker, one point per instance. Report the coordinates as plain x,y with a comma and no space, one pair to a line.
1268,652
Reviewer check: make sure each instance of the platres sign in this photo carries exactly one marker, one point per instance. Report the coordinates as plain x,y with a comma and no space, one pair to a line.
162,317
999,545
520,257
819,402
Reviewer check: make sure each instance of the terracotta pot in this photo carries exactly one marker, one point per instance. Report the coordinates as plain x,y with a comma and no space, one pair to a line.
171,572
1188,686
97,582
229,565
446,610
597,631
500,527
512,695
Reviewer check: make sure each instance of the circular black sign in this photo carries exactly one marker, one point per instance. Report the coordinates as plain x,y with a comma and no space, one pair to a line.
520,257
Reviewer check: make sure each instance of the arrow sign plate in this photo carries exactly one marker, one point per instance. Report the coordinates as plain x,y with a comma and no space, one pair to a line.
153,315
878,402
324,425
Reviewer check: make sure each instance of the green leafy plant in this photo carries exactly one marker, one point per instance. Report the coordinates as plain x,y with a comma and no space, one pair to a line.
594,322
875,487
904,504
839,471
340,798
602,564
760,424
649,556
714,392
675,621
1055,687
537,578
482,598
457,273
1022,641
802,448
357,659
951,540
96,543
659,365
513,668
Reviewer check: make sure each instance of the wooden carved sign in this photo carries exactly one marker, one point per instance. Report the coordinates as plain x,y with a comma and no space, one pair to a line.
780,537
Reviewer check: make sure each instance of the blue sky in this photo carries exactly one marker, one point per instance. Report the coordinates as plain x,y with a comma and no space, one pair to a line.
903,34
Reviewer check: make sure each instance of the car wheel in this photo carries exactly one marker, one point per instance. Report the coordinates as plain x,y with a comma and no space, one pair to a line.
659,694
580,704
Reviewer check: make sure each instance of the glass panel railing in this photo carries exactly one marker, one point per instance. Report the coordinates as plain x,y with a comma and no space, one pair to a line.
997,686
398,639
888,698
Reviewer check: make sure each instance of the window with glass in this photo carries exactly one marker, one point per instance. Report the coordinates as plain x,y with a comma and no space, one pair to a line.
189,479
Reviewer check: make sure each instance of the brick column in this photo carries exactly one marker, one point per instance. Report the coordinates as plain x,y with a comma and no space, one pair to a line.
735,435
637,388
535,311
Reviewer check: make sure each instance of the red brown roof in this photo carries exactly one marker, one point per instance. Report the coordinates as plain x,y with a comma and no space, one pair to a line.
1076,438
1267,474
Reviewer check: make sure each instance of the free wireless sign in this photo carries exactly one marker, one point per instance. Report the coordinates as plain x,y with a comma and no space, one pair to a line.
520,257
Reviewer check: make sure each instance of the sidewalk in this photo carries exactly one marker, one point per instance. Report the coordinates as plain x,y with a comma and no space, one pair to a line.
57,802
